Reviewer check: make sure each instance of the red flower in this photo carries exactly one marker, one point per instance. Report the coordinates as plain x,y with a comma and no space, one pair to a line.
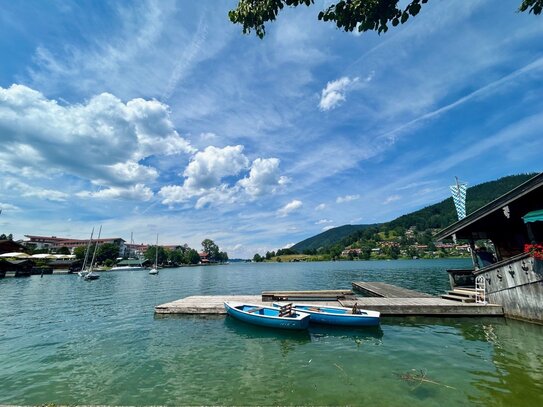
535,250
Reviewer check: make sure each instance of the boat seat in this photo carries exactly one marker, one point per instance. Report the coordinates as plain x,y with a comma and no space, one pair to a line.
316,309
286,310
254,309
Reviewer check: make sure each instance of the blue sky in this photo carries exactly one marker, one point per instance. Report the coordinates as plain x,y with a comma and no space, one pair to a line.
162,117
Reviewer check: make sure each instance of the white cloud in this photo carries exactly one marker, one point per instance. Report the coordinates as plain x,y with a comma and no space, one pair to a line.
101,140
320,207
263,178
347,198
391,199
208,167
217,196
208,137
130,171
154,129
334,92
324,229
290,207
8,207
28,191
207,174
172,194
288,246
138,192
323,221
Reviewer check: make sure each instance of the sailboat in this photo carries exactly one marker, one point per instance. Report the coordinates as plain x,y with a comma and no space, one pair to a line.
91,275
83,272
154,270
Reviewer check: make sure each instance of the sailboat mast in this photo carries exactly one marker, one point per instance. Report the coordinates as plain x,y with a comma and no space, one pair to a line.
156,252
95,248
87,250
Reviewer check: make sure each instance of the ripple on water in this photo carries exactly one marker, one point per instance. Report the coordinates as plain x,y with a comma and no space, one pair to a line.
77,342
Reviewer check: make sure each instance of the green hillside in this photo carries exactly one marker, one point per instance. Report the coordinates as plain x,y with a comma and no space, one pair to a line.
435,216
442,214
328,238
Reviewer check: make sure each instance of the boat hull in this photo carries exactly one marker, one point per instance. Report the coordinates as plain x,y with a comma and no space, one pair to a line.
127,268
338,315
266,316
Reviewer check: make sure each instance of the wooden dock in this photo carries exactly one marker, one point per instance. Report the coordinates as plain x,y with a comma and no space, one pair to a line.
377,289
314,295
433,306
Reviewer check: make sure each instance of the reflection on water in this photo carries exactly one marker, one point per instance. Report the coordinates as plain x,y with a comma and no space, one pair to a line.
248,331
66,341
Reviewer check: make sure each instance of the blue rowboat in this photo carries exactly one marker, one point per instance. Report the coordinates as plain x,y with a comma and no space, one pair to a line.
338,315
273,317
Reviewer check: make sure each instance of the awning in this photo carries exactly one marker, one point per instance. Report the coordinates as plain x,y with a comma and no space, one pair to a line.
533,216
14,254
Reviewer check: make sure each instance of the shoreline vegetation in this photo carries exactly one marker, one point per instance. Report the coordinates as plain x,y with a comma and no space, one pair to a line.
294,258
409,236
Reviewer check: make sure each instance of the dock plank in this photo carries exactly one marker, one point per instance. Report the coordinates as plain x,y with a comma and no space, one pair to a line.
315,295
378,289
430,306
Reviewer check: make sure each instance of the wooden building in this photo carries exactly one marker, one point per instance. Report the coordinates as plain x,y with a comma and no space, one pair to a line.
9,246
514,280
65,266
15,268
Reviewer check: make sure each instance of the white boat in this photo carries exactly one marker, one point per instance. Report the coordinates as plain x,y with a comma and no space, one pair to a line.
130,267
154,270
89,274
83,272
127,268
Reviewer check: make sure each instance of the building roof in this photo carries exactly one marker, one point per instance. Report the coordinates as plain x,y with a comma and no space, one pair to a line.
504,212
7,246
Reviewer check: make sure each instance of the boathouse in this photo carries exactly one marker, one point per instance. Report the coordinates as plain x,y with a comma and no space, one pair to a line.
514,279
15,268
60,266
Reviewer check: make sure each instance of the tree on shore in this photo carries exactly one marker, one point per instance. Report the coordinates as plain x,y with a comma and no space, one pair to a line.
150,254
107,251
348,15
211,249
79,252
191,257
257,258
63,250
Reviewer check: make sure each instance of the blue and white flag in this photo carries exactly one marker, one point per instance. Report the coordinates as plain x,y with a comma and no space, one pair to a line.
459,197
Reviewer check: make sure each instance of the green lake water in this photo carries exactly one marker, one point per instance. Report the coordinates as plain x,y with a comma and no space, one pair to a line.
68,341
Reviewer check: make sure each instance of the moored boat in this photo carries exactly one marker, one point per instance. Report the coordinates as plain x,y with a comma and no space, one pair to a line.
91,276
284,317
154,269
338,315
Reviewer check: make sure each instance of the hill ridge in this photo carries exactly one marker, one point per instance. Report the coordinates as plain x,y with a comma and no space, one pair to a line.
435,216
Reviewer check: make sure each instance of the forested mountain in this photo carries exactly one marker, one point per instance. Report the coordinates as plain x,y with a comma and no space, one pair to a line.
435,216
328,238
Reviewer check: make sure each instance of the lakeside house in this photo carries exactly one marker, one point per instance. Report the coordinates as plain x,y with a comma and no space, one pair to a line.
54,243
204,258
512,223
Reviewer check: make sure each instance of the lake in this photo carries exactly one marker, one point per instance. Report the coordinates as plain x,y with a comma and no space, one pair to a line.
68,341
